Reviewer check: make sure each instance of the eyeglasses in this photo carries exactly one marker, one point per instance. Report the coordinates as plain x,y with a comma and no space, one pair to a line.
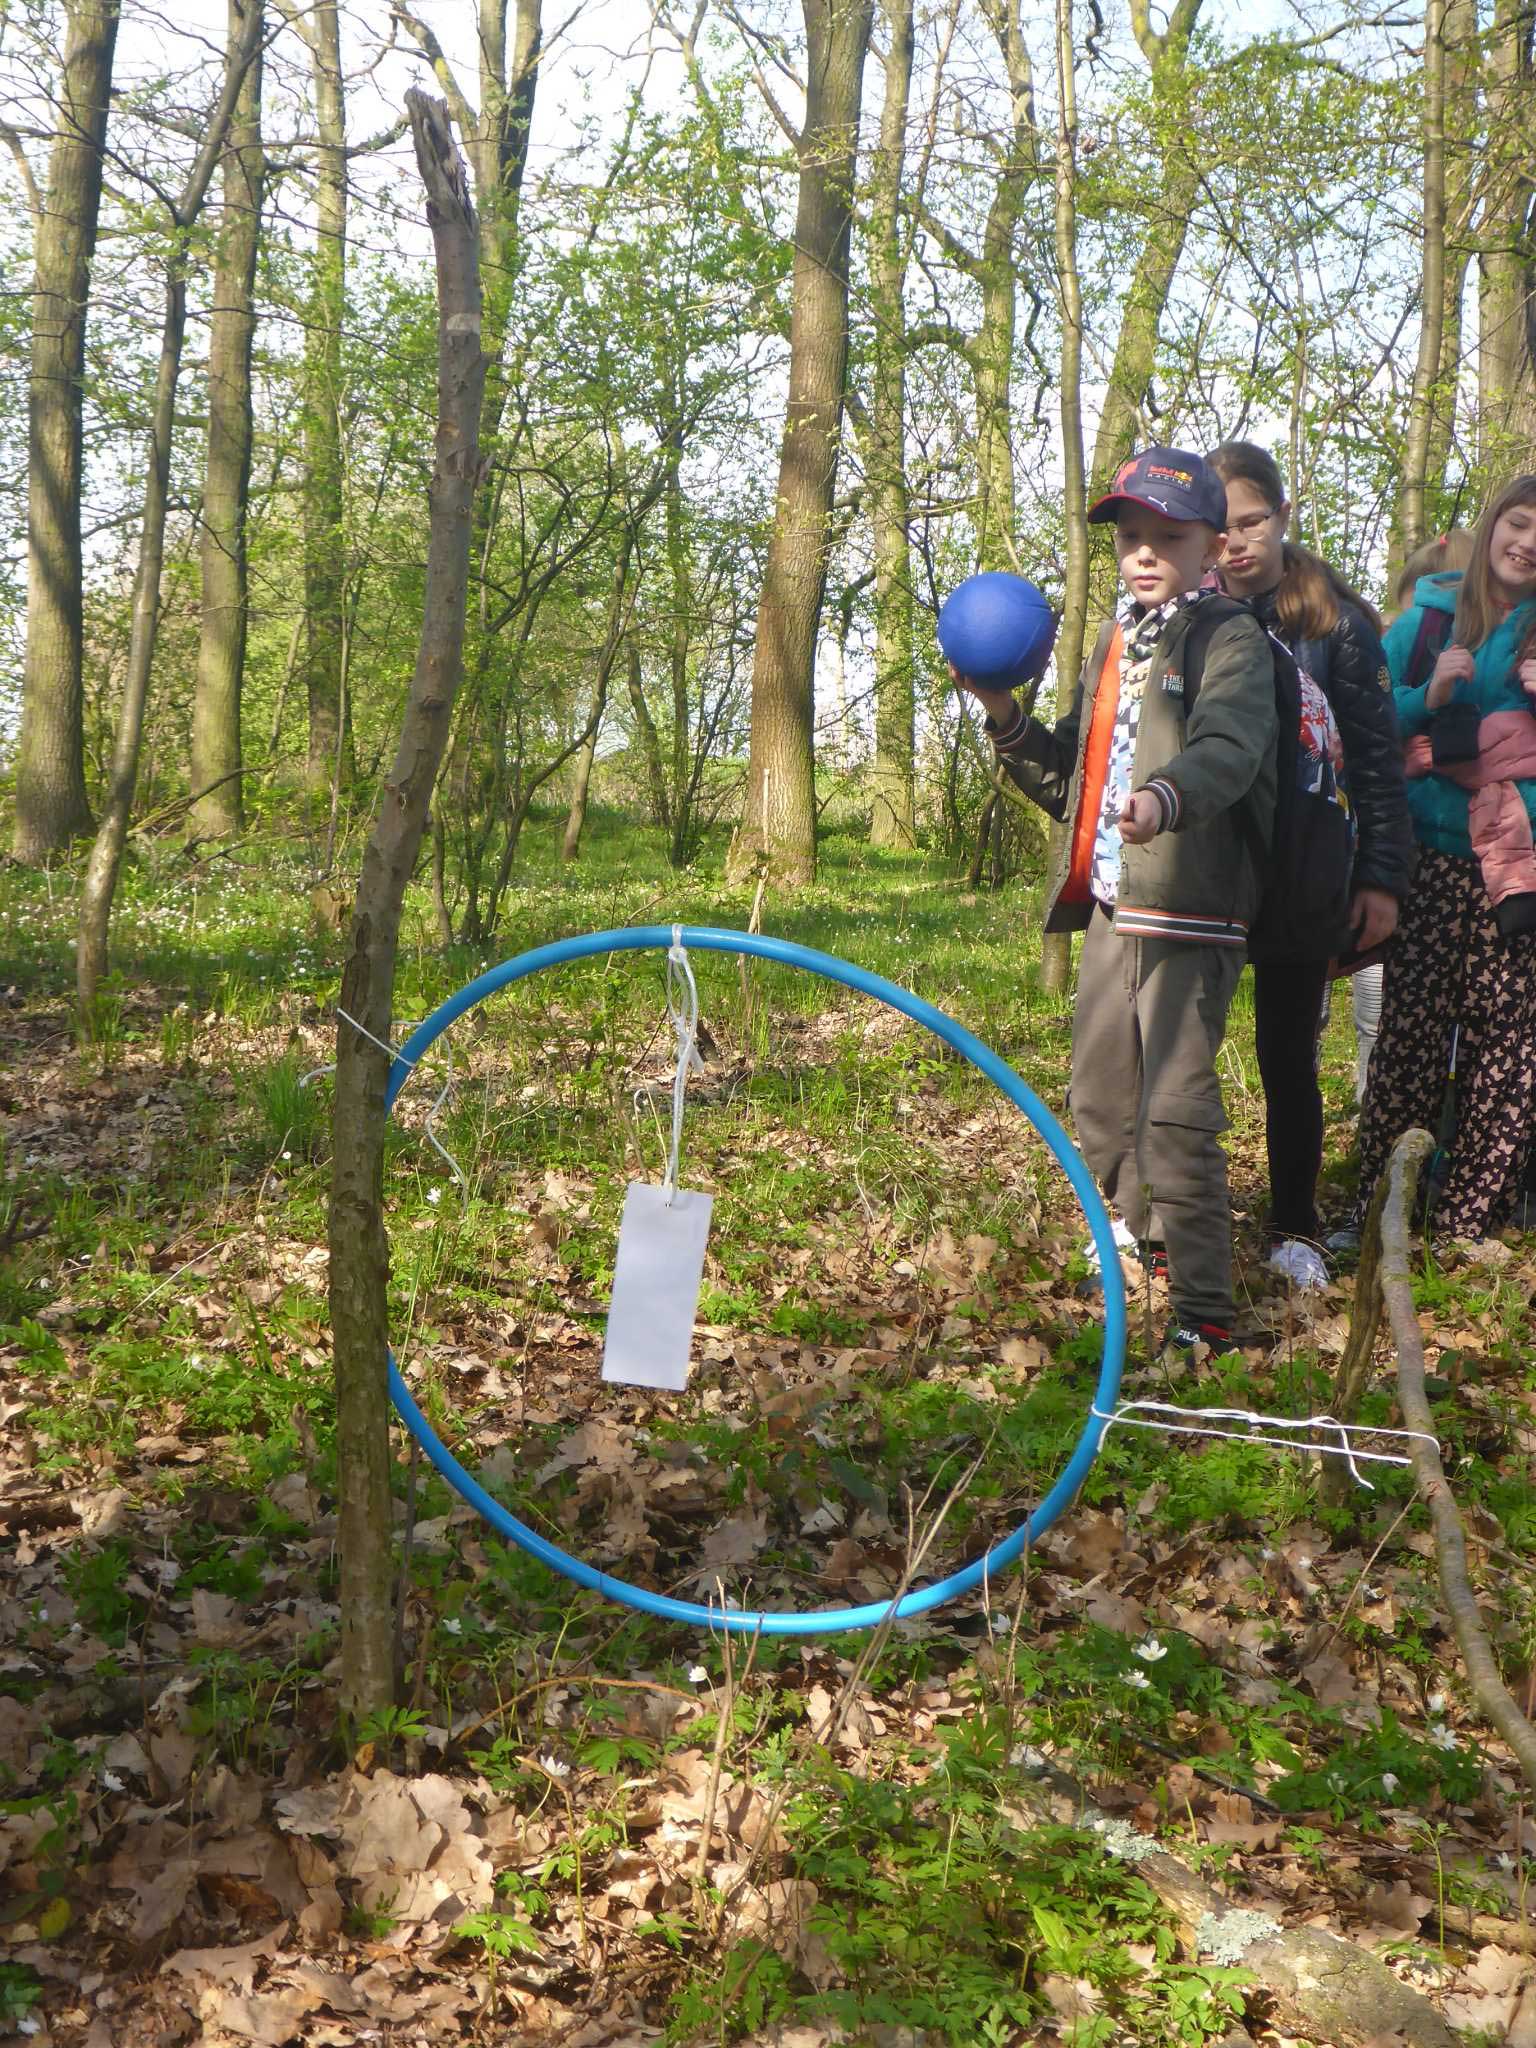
1251,525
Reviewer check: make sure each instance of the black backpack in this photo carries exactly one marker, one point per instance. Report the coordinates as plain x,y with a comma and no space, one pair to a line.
1305,863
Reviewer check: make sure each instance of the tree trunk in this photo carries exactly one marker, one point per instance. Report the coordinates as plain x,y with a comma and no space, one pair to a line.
216,752
1461,144
615,636
778,828
359,1269
1120,420
51,805
1056,947
1411,519
1506,363
100,883
324,510
648,741
893,779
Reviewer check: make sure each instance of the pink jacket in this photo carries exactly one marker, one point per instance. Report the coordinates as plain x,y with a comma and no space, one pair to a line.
1497,819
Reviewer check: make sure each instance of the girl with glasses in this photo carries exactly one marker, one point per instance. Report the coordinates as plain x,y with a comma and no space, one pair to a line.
1335,636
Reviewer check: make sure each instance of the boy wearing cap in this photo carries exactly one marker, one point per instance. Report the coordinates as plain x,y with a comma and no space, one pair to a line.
1170,739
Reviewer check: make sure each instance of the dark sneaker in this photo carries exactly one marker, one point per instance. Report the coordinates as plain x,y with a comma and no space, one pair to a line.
1190,1341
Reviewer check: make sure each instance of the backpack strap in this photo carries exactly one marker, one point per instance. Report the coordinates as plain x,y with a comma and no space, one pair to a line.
1211,615
1429,643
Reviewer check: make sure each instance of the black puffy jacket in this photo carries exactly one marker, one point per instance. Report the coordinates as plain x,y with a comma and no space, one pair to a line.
1351,668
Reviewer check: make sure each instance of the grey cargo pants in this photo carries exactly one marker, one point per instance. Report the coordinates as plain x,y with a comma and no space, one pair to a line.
1147,1102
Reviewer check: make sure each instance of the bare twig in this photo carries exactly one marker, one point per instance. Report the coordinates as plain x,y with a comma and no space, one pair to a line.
1493,1696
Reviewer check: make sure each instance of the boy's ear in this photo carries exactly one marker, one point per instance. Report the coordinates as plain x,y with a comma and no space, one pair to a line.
1215,551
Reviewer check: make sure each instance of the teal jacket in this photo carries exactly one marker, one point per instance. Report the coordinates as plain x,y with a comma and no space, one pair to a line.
1439,806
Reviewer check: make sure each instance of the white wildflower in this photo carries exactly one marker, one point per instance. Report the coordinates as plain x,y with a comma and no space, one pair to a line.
1436,1703
454,1628
112,1781
697,1675
1442,1738
553,1767
434,1194
1151,1650
1389,1782
1139,1679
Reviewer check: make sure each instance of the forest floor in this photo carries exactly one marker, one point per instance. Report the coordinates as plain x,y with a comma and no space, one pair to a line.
589,1826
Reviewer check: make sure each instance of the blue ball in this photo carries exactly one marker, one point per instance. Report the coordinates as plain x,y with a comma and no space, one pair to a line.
997,629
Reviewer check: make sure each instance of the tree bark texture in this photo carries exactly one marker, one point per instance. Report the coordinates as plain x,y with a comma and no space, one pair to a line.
893,776
778,828
359,1267
51,803
1135,358
216,750
100,884
1507,281
1493,1696
324,511
1056,947
1411,521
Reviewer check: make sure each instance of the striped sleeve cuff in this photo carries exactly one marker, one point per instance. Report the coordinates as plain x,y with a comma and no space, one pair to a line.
1168,799
1008,735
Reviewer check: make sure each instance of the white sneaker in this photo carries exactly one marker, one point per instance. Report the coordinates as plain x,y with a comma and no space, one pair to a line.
1300,1263
1125,1241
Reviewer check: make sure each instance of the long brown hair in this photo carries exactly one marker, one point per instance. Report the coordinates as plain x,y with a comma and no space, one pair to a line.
1437,557
1478,611
1311,591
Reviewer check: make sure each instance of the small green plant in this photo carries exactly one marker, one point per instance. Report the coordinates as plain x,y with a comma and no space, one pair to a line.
293,1115
20,1989
386,1726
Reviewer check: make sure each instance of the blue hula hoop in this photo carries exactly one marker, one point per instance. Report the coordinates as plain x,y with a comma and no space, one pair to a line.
825,1620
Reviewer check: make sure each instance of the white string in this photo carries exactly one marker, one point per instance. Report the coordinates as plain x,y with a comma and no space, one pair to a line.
1151,1414
429,1128
683,1016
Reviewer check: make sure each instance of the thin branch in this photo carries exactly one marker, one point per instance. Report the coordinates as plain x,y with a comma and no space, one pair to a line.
1493,1696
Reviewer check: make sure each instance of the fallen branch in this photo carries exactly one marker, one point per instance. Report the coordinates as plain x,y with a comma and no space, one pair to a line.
1312,1984
1493,1696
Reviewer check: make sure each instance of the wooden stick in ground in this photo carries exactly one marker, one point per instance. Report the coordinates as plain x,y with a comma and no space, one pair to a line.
1408,1157
1337,1484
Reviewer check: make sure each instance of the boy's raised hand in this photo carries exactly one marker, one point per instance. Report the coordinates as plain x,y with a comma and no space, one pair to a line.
1141,818
1453,666
1001,706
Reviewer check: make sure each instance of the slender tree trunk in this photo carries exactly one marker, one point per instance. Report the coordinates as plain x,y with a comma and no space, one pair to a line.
778,828
324,510
1411,521
216,749
648,741
1162,248
51,804
893,777
100,883
359,1269
615,638
1461,144
1056,947
1507,282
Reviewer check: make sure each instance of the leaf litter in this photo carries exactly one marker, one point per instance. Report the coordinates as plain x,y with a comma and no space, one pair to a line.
167,1881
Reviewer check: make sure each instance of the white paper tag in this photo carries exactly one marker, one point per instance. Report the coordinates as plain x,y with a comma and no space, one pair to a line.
657,1271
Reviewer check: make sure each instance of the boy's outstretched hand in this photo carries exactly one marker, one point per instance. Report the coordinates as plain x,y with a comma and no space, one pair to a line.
1140,819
